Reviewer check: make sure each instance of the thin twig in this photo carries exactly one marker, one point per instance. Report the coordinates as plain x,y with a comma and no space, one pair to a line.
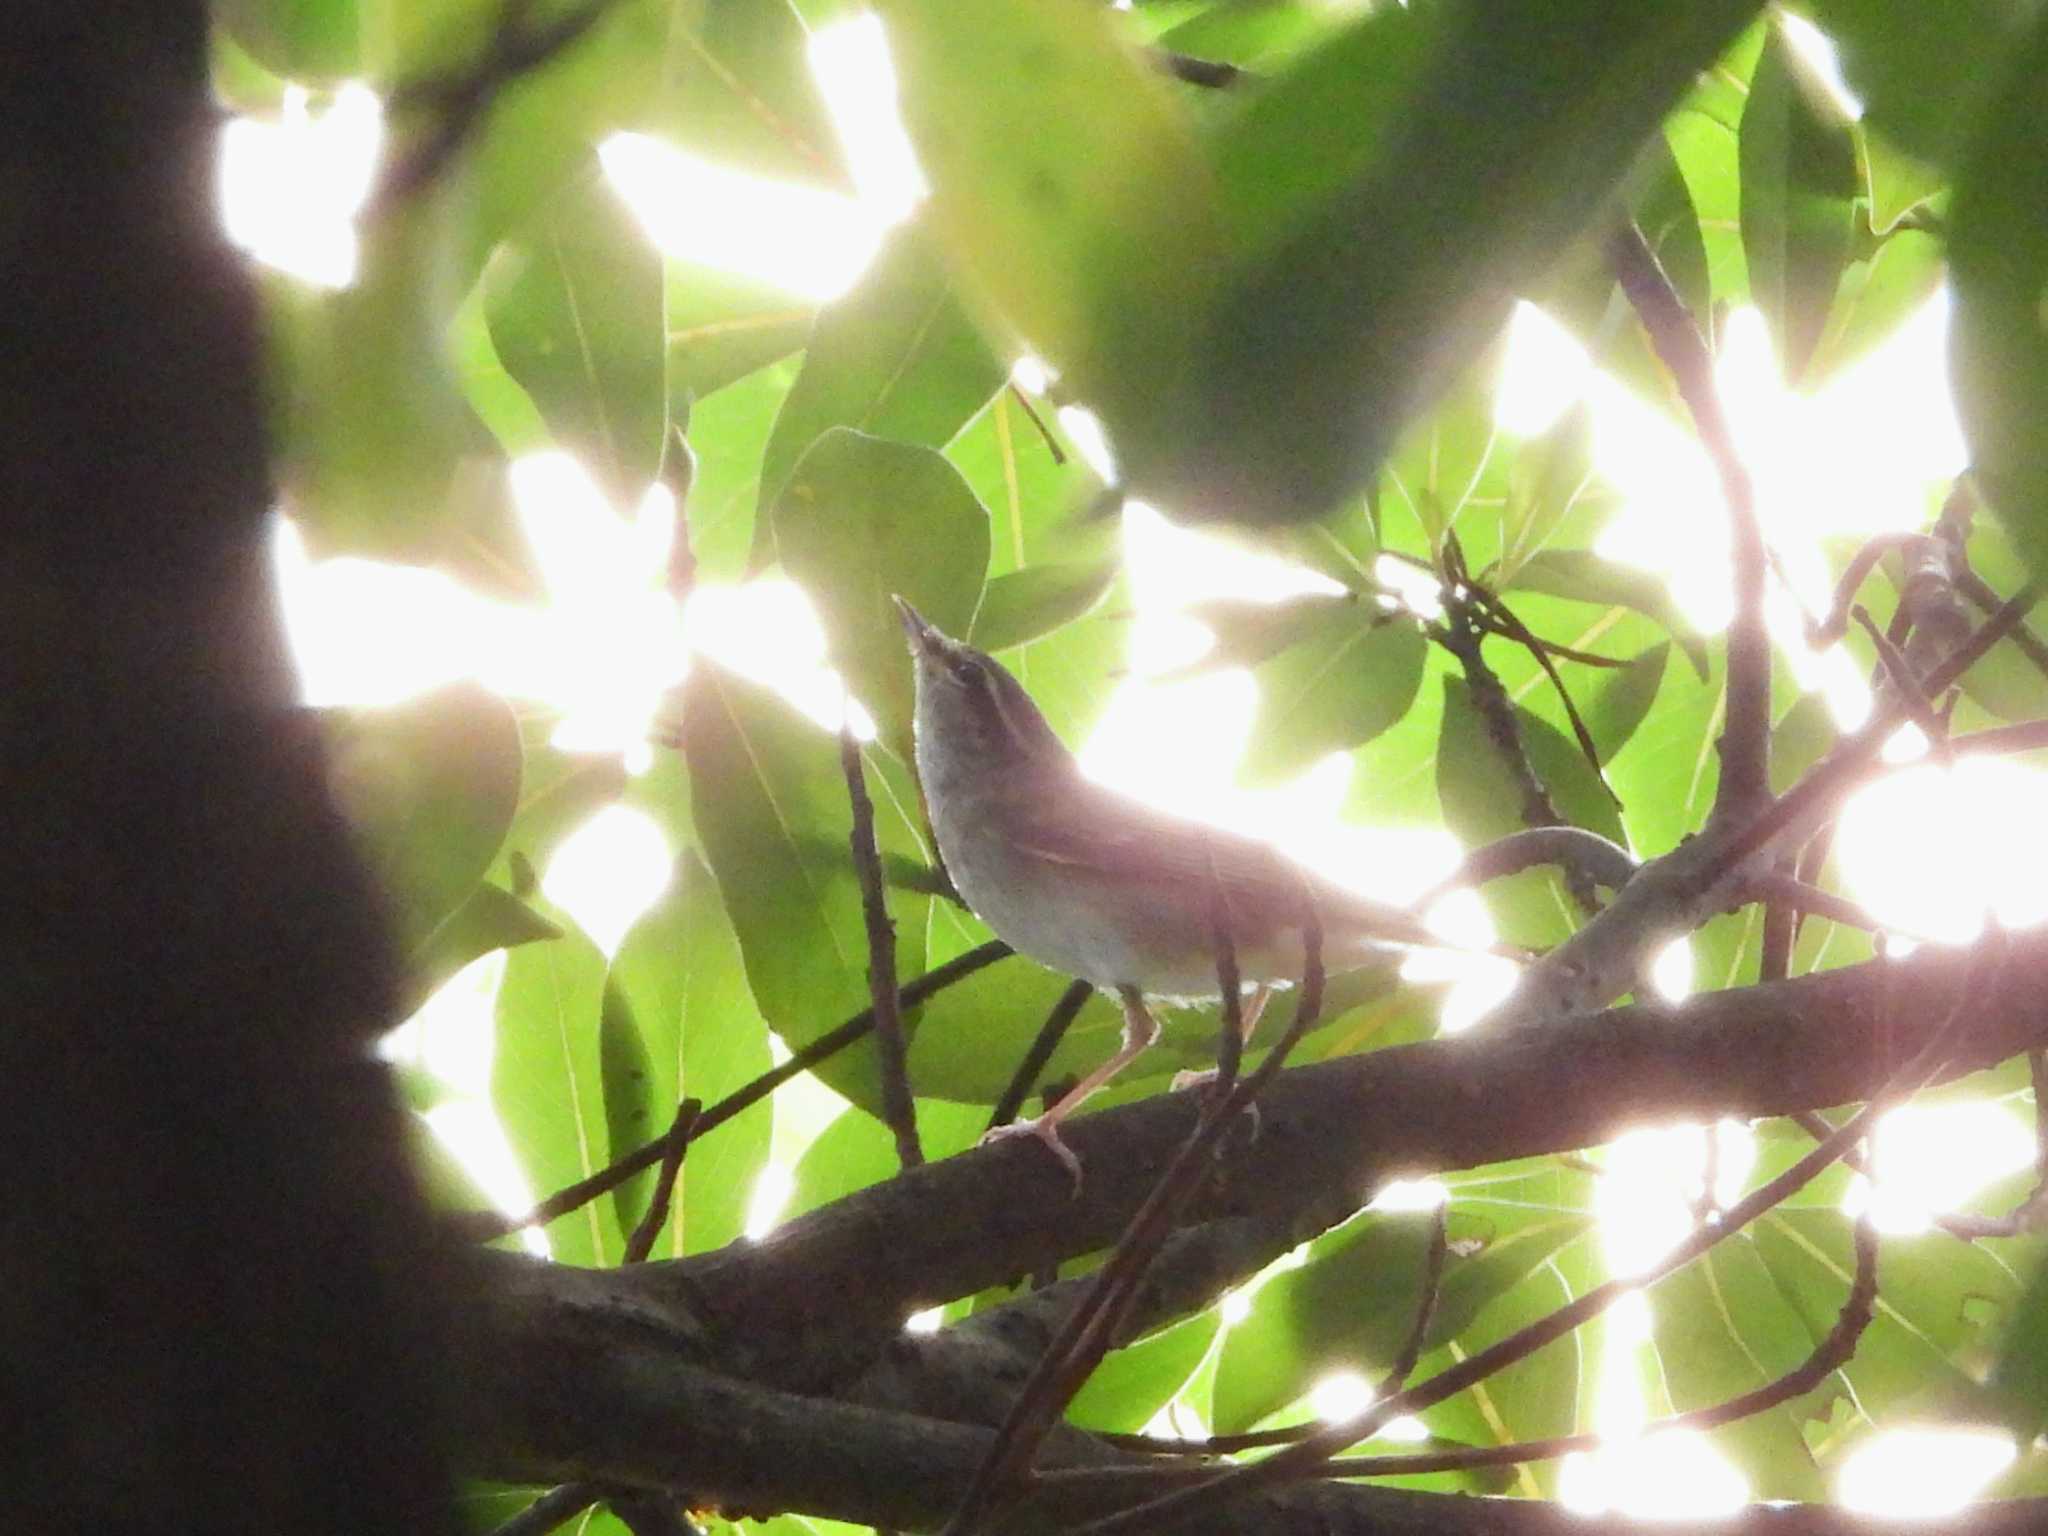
1511,627
641,1243
1425,1310
1979,591
485,1227
1844,765
899,1111
1050,1033
1797,896
1309,1456
651,1514
1229,987
1746,733
550,1510
1826,631
1522,635
1090,1329
1594,857
1051,439
1833,1352
1905,686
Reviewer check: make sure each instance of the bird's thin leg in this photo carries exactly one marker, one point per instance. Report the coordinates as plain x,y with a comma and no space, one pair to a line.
1247,1020
1140,1030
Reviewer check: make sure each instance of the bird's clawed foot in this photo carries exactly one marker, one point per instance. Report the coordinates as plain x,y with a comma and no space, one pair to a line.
1044,1129
1205,1083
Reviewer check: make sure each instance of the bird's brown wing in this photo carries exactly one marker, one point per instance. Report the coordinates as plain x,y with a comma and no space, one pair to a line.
1094,830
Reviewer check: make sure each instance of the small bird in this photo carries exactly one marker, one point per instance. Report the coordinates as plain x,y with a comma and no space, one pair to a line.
1098,886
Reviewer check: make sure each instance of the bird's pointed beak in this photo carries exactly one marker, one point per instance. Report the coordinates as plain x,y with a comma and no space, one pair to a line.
923,638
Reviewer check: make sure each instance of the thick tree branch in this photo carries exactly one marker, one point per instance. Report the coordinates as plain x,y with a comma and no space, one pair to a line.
806,1306
551,1403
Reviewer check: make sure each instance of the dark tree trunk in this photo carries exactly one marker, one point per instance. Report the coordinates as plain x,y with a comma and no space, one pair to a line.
216,1309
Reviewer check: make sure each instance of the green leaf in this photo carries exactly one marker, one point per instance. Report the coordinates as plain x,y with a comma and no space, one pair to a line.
1353,1304
1798,182
770,803
680,972
1322,347
1924,72
1894,182
431,786
1483,801
895,358
633,1115
1445,467
728,433
1999,337
1022,605
738,88
857,1150
574,302
539,134
863,519
1550,483
1876,294
1722,1329
1349,1307
490,919
370,425
547,1084
1040,492
1585,576
1135,1382
1621,700
970,1037
306,40
723,327
1350,678
1100,261
1313,128
2020,1378
557,792
1704,138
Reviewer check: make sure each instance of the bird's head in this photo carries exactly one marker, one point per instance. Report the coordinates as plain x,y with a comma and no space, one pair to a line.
969,708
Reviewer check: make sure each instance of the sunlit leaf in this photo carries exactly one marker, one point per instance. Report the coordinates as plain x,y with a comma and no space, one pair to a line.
431,786
1876,294
728,432
1798,179
895,358
490,919
679,971
1324,345
1581,574
770,803
1923,72
306,40
1022,605
1999,346
547,1084
1344,683
1620,701
863,520
575,307
857,1150
1101,262
1135,1382
371,425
